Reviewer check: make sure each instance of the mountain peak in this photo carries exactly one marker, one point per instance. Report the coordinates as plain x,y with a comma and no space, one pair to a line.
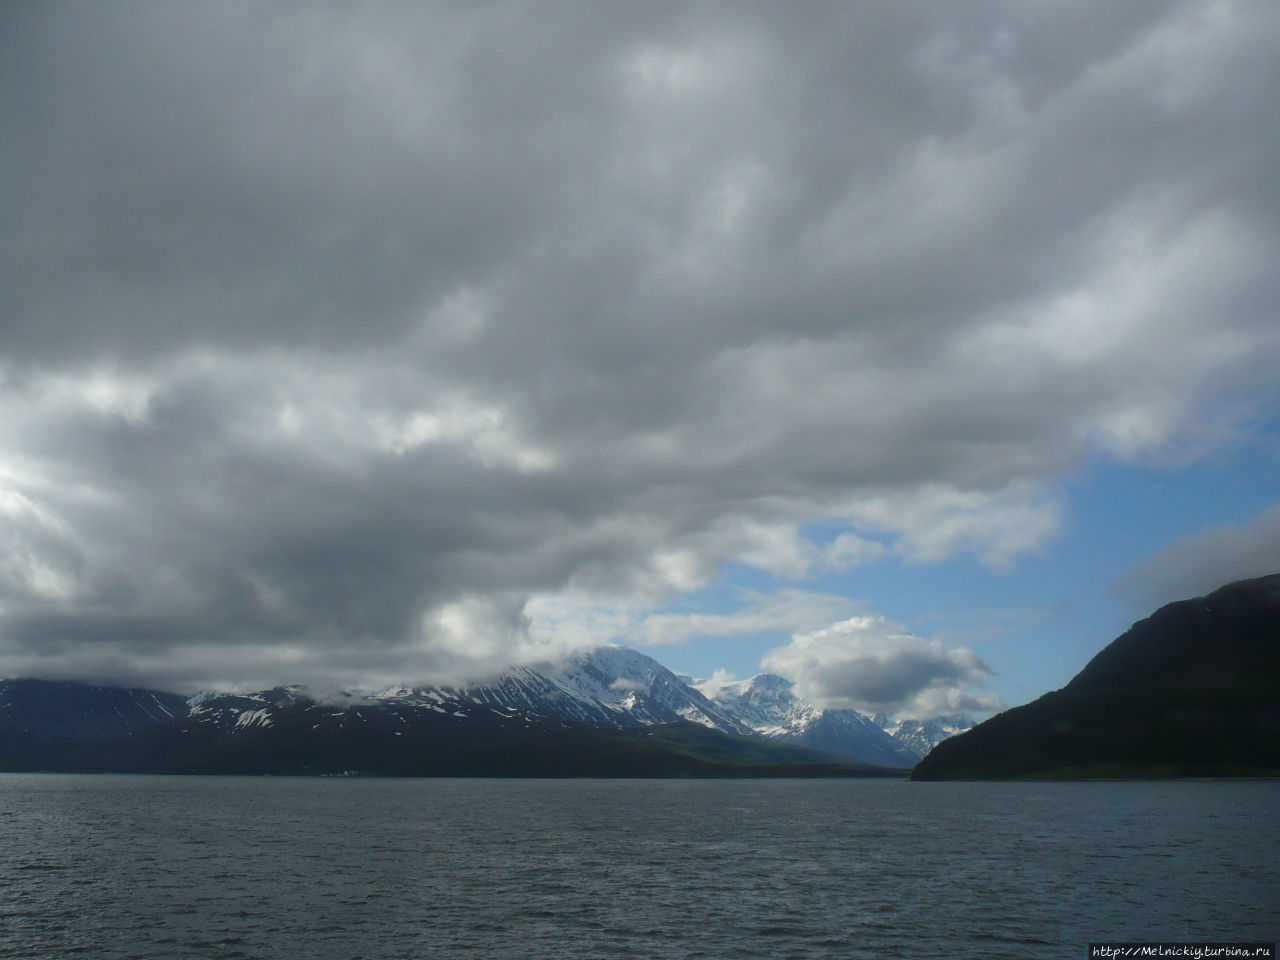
769,681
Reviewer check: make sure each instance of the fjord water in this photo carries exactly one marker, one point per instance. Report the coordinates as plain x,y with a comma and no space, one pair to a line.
224,867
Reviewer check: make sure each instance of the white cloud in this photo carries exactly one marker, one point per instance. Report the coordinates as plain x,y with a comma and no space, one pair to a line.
935,523
711,687
872,664
849,550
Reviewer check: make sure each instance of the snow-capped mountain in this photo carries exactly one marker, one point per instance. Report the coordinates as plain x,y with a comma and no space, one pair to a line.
242,711
921,736
609,690
768,704
613,686
612,712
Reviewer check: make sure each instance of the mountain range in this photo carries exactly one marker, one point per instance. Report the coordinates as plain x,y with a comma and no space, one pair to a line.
1193,690
610,711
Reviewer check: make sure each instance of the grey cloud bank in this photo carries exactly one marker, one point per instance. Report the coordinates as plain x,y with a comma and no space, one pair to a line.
345,344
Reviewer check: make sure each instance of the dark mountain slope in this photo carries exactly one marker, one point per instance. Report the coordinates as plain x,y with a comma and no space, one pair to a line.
43,723
383,743
1193,690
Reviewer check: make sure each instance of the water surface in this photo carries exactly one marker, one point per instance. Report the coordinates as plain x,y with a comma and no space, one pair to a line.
227,867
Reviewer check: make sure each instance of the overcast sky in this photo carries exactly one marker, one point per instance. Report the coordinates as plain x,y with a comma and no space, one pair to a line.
358,343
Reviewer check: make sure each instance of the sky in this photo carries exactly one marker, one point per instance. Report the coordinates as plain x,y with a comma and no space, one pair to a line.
912,351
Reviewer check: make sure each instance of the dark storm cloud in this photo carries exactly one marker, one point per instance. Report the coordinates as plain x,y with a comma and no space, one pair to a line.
330,336
235,174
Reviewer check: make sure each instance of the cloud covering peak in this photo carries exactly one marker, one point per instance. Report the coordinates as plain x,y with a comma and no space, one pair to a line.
871,664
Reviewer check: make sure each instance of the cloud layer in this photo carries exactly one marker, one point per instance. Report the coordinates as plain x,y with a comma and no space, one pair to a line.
348,343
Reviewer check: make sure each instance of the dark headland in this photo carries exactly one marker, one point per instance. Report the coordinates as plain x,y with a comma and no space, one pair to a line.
1191,691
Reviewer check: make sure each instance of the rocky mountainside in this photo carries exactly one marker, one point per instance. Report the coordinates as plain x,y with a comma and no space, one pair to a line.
611,686
918,737
1193,690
